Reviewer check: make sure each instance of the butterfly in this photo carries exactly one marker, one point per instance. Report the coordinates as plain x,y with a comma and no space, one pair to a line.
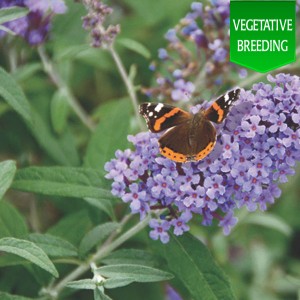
188,137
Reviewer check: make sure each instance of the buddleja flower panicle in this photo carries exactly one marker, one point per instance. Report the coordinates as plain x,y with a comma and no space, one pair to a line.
102,35
257,148
197,54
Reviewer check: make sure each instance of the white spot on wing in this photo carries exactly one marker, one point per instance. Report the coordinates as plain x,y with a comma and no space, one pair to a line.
158,107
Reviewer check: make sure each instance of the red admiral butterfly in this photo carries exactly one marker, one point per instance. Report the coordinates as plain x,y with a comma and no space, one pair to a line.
188,137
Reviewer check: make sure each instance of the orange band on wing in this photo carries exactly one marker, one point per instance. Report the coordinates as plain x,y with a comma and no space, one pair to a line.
219,111
205,151
175,156
158,122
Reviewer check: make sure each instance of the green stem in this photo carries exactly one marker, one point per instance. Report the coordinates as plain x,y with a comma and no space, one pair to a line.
58,81
128,83
102,252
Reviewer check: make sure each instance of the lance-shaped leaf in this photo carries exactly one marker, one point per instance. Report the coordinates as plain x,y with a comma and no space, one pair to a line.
12,223
62,181
83,284
7,173
192,263
134,273
29,251
109,136
53,245
14,96
96,236
11,13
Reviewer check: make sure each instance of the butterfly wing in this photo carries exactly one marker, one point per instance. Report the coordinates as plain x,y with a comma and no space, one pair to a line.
160,116
204,140
174,144
220,108
184,143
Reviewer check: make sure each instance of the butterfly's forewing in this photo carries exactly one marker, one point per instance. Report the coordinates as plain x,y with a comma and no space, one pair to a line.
160,116
218,111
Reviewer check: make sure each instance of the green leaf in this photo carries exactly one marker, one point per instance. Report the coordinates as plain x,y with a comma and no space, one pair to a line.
59,110
83,284
99,294
113,283
29,251
14,96
270,221
71,52
192,263
62,181
134,272
109,136
134,46
11,222
12,260
26,71
105,205
61,149
130,256
96,236
72,227
52,245
6,296
12,13
7,172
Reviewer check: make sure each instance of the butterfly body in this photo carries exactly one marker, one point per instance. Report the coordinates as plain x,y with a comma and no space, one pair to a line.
188,137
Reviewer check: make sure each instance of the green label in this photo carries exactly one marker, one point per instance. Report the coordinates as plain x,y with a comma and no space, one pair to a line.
263,34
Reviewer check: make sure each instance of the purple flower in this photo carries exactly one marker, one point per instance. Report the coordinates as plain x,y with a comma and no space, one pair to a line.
162,54
278,123
214,186
171,36
159,231
252,126
34,27
182,90
101,34
228,222
171,294
55,6
180,224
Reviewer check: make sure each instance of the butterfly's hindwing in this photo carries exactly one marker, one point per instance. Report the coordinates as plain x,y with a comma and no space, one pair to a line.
204,139
174,144
160,116
218,111
184,143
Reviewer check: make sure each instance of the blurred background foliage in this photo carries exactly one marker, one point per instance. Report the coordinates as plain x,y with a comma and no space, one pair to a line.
262,254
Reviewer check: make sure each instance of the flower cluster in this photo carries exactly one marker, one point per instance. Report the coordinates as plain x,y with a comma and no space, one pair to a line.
94,21
257,148
197,55
34,27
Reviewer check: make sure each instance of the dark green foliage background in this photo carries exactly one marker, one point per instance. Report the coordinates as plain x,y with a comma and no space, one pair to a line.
59,198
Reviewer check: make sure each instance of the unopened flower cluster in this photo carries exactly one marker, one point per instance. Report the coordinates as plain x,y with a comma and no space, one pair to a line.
35,26
197,55
257,148
95,22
